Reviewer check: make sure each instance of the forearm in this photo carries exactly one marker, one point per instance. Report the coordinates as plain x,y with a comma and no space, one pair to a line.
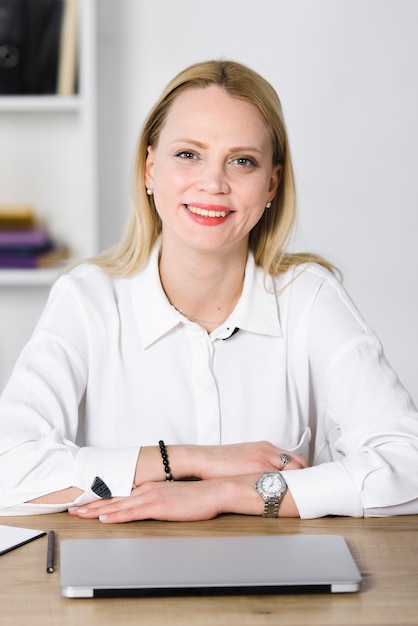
205,462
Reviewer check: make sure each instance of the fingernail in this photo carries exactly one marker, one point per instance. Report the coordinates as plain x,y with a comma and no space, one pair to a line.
83,510
102,518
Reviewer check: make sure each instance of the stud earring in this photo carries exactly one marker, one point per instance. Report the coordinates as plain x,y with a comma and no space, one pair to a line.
149,192
268,205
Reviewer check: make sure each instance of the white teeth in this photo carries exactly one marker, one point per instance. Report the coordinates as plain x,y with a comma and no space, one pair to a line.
205,212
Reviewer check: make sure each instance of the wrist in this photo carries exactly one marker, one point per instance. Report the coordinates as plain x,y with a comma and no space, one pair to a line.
237,495
150,465
185,461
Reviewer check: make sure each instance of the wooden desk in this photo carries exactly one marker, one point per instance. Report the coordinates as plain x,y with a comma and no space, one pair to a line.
385,550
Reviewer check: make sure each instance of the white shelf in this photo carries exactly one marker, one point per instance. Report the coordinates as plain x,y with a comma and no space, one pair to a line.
40,104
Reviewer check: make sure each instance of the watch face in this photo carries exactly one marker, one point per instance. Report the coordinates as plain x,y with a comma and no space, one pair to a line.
271,486
271,483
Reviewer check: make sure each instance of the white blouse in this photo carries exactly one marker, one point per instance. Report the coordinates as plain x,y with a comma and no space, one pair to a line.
112,366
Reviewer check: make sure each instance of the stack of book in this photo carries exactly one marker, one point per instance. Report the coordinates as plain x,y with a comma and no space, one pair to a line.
24,242
38,47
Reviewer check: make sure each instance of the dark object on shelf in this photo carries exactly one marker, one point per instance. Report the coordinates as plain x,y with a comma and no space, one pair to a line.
11,46
30,33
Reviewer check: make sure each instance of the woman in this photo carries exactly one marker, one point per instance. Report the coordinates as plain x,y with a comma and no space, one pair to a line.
199,348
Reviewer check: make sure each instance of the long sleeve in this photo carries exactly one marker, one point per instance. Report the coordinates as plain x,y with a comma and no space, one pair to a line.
41,415
364,422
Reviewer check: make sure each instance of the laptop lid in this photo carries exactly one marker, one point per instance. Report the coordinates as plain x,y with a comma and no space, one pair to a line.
207,565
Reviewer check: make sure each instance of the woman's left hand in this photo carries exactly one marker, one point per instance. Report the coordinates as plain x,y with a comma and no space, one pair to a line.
184,501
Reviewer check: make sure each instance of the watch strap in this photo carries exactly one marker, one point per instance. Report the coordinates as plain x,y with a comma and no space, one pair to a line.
271,508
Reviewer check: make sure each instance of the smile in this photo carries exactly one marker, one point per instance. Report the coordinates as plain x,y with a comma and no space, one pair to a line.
206,212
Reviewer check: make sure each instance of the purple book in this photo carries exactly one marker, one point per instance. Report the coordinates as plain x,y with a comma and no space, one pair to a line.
26,238
18,262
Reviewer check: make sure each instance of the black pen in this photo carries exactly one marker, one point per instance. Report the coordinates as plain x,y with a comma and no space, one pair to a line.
50,552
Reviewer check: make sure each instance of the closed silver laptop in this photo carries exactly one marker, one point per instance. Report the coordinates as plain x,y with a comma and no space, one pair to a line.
93,568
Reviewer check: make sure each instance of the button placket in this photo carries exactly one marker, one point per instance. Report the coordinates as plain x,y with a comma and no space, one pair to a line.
205,388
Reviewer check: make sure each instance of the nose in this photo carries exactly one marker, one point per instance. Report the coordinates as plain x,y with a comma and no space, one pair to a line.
213,178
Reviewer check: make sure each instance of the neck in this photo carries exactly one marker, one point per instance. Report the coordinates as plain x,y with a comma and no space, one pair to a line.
203,287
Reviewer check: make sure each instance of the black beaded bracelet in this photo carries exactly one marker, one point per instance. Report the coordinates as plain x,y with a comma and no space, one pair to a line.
164,455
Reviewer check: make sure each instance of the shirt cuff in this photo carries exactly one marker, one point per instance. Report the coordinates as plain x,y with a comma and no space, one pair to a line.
29,508
323,490
115,466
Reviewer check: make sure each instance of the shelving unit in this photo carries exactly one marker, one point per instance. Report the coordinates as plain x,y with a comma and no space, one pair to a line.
48,158
46,104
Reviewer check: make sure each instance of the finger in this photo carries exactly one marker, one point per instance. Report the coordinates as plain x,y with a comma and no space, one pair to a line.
93,509
121,515
147,505
289,460
130,514
274,455
123,509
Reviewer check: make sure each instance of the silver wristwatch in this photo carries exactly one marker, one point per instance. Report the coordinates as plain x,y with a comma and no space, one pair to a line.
271,486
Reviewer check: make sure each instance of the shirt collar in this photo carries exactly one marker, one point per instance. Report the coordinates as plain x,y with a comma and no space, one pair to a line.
256,310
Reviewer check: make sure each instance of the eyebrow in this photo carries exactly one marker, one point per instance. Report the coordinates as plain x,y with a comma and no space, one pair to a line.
199,144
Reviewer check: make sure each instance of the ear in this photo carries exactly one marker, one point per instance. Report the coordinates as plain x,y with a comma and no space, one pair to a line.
275,178
149,167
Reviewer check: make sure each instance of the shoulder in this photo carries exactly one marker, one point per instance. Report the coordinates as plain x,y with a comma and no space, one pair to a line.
306,277
85,272
86,276
315,293
88,294
85,283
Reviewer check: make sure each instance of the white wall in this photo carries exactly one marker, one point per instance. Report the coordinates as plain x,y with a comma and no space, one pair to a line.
346,72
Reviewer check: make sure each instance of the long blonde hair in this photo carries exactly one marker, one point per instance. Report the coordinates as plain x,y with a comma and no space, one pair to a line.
271,235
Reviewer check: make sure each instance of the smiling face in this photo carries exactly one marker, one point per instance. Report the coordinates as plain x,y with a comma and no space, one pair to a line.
211,172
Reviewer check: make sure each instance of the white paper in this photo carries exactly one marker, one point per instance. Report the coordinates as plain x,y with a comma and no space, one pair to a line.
11,537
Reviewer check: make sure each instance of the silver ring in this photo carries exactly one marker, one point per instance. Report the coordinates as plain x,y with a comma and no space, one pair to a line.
286,458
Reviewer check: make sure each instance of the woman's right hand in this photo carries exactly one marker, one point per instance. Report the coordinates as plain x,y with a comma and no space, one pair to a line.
202,462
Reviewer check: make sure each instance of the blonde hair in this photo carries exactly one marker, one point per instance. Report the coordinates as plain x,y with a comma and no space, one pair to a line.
270,237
